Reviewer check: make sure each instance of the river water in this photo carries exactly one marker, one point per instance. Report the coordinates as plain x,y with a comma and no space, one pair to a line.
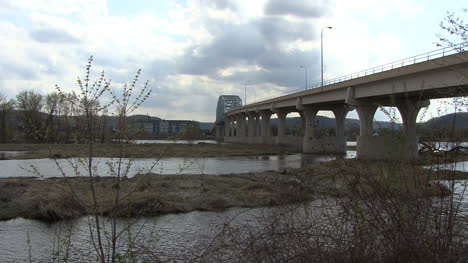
212,165
175,236
23,238
177,141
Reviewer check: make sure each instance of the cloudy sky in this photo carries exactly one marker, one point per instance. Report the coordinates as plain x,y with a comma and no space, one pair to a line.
192,51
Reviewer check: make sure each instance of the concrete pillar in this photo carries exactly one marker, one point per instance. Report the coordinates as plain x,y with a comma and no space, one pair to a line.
303,124
340,113
258,127
308,140
367,146
227,126
240,125
409,111
402,146
265,134
245,126
281,126
366,118
232,126
251,124
409,142
281,122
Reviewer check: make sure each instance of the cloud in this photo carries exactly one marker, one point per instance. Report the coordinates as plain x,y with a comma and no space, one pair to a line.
200,49
298,8
52,35
259,44
220,4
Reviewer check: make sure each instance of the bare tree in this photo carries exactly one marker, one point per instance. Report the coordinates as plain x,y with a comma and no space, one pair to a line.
105,237
454,31
30,104
52,108
6,106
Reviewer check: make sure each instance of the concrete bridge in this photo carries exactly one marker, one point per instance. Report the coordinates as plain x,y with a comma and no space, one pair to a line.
407,85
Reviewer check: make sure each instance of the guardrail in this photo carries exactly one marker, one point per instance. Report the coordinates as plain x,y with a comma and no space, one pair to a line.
442,52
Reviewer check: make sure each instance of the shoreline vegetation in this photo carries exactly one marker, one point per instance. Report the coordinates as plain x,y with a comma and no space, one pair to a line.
150,195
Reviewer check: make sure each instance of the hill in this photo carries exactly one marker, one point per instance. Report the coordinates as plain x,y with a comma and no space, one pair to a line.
459,119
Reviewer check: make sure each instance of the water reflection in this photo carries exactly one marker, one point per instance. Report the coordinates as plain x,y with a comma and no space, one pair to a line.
177,141
215,165
173,236
7,154
458,166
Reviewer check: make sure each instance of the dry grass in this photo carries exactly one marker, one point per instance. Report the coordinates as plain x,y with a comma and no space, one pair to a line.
148,195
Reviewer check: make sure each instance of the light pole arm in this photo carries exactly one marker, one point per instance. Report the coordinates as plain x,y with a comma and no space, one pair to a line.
321,51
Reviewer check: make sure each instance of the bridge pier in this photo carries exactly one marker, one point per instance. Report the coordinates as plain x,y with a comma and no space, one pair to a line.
233,127
403,145
312,143
281,138
252,124
219,132
227,125
240,125
258,126
309,129
340,113
265,126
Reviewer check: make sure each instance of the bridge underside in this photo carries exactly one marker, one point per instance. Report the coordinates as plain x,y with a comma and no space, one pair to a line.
407,88
254,128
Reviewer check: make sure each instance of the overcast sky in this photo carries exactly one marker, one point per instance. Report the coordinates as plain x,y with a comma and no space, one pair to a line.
192,51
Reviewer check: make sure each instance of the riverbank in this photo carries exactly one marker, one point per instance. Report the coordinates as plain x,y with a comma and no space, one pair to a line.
150,195
37,151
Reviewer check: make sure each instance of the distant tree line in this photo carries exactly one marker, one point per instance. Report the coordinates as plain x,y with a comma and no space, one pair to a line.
55,117
58,117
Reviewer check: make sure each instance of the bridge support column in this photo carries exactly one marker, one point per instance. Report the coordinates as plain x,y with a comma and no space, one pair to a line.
402,145
328,143
238,127
227,124
251,126
366,146
233,127
218,132
409,143
241,126
258,127
308,140
340,113
265,132
301,132
281,126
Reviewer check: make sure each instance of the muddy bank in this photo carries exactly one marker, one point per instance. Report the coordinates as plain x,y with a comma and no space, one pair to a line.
149,195
36,151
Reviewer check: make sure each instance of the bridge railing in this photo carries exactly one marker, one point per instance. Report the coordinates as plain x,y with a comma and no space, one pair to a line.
442,52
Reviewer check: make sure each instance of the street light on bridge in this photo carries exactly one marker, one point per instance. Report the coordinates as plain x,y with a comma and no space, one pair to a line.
245,91
305,68
321,49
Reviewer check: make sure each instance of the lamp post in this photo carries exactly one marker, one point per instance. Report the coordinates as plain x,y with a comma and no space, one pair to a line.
245,91
321,50
305,68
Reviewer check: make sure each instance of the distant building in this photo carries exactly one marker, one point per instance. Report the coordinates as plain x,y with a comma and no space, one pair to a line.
158,128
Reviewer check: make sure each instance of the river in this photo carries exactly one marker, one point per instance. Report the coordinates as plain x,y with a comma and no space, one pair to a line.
175,236
45,168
